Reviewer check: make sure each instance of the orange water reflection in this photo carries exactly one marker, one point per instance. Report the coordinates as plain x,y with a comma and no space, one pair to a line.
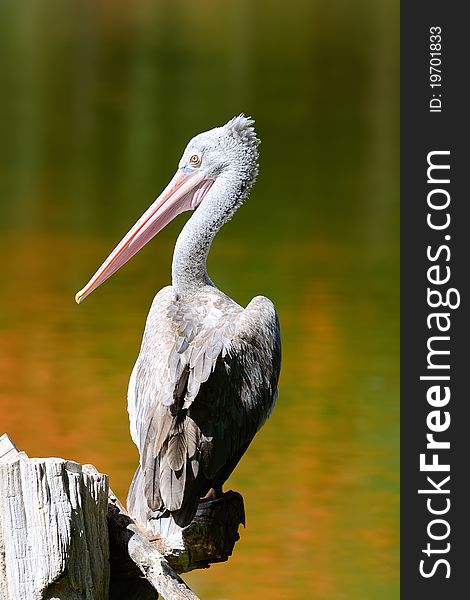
319,484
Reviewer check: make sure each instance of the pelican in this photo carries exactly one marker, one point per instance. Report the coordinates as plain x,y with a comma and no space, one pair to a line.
207,373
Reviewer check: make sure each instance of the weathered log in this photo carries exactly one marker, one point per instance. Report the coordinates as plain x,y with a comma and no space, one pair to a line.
53,531
54,542
209,538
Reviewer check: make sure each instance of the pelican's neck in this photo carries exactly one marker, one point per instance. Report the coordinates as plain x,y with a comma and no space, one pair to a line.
189,270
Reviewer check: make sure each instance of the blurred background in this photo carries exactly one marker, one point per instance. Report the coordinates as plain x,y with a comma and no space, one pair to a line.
98,99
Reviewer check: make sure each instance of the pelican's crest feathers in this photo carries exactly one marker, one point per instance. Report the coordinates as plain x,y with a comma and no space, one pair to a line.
242,128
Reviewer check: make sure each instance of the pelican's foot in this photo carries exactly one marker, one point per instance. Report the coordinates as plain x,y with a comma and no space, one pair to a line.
212,494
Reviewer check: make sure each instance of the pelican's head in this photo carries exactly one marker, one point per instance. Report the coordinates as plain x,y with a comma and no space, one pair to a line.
230,151
232,148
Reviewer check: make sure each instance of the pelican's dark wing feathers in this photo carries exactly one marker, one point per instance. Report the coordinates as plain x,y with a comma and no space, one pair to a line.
204,383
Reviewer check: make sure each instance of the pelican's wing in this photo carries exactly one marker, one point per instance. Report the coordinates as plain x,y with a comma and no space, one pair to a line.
205,381
240,394
148,379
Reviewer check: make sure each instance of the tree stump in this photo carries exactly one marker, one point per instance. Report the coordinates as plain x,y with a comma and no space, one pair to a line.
53,530
65,536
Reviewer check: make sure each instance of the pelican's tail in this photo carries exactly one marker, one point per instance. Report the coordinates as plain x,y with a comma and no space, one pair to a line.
162,523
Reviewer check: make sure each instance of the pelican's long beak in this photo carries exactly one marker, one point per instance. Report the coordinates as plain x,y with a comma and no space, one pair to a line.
184,192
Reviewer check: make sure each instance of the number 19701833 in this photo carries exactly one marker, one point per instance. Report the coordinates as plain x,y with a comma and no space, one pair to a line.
435,71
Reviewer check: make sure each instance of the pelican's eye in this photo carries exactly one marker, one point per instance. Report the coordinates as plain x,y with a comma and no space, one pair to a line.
194,160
